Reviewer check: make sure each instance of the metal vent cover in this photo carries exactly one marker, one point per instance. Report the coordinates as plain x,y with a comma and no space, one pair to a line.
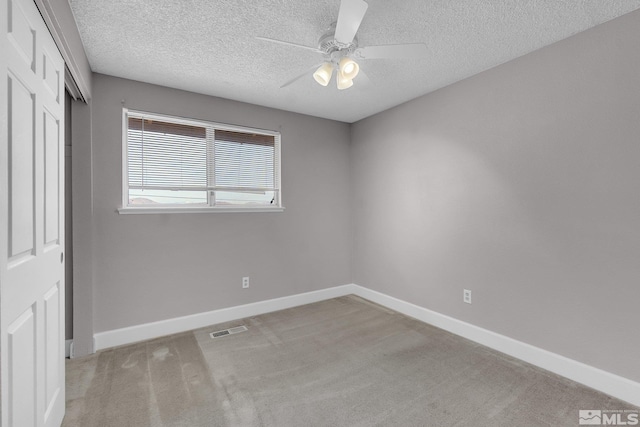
230,331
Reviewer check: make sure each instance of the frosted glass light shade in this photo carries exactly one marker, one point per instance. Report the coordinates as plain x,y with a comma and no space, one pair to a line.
349,68
343,82
323,73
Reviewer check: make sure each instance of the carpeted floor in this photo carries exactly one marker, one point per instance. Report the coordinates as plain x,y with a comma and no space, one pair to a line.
342,362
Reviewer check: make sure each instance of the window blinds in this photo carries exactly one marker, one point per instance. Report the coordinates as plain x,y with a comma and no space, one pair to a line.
167,156
164,155
244,161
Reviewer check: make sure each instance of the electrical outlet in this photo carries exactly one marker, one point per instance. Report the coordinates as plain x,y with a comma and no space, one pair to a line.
466,296
245,282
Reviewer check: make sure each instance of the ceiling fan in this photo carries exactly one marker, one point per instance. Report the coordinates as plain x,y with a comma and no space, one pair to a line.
339,47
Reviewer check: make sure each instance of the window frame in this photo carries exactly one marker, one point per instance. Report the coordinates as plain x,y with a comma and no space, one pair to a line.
126,208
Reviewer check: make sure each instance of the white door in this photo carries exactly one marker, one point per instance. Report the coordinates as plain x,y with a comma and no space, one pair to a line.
31,219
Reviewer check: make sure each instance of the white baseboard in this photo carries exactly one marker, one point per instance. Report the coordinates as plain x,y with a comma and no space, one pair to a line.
146,331
606,382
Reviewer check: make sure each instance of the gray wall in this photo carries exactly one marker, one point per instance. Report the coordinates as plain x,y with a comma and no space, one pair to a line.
153,267
522,184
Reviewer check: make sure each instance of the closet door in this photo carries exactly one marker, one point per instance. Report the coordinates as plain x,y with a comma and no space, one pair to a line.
31,219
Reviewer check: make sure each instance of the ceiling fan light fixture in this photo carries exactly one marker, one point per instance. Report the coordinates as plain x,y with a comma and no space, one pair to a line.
340,42
348,67
323,73
343,82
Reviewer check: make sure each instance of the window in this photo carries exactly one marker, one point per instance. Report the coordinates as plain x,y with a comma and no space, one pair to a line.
173,164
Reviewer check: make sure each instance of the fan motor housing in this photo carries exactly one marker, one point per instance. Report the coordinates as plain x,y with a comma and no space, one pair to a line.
328,43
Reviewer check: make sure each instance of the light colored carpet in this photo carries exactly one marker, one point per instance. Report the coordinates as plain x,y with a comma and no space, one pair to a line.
342,362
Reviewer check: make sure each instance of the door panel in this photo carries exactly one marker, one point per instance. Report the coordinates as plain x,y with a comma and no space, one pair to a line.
51,76
52,174
52,346
31,220
21,33
22,370
21,182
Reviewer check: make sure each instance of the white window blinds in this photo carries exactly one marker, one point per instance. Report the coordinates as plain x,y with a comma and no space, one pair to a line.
176,162
167,156
245,161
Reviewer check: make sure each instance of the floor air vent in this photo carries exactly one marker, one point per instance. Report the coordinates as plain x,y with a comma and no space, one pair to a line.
230,331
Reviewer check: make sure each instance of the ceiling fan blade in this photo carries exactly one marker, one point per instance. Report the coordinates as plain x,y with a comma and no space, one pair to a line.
314,49
298,77
409,50
349,19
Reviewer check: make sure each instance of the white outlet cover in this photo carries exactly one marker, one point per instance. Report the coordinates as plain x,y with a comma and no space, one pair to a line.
466,296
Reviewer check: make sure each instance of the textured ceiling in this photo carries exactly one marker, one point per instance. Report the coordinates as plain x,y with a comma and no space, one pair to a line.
210,47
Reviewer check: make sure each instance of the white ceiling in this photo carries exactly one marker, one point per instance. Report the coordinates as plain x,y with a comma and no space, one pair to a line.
209,46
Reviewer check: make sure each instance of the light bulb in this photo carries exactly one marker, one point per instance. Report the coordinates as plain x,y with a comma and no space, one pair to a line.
323,73
343,82
348,67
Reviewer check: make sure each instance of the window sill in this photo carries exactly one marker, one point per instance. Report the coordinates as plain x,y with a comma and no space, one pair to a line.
174,210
